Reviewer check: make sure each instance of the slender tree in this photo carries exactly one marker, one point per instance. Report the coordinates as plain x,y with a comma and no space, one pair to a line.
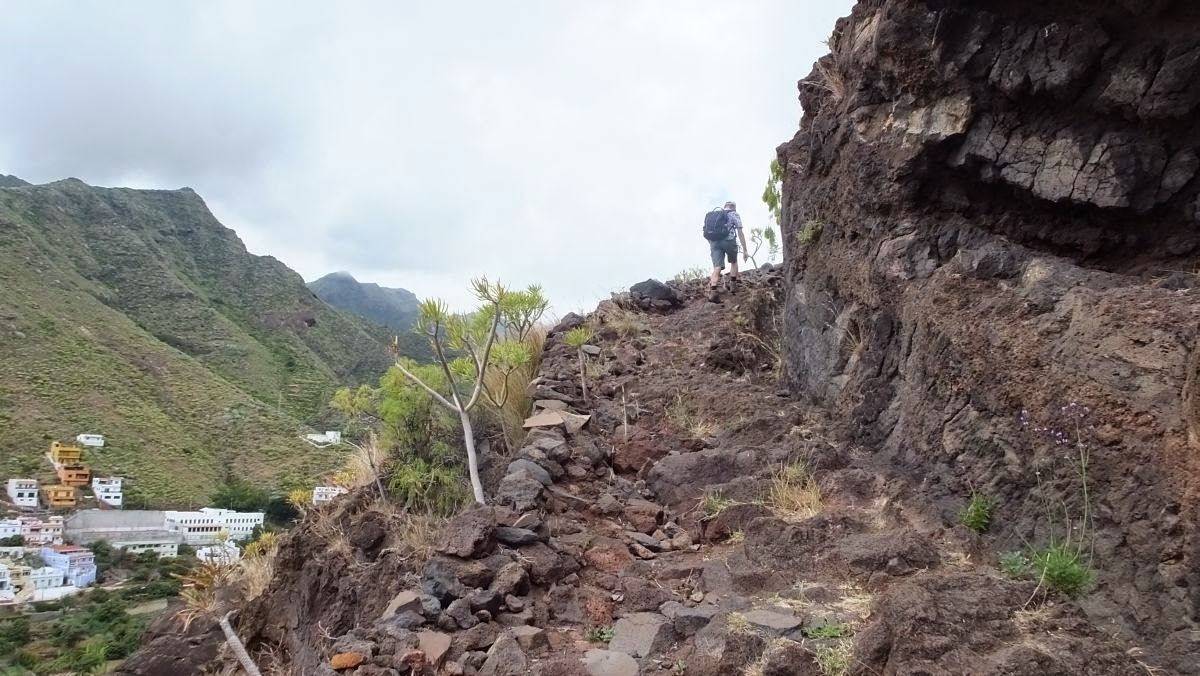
473,338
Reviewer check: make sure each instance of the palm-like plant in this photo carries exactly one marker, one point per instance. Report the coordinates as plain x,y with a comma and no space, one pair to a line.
199,595
473,337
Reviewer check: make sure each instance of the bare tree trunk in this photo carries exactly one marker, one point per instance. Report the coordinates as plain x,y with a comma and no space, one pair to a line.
472,459
237,647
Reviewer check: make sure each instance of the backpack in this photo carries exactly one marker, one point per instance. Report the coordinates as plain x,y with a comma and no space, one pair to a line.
716,225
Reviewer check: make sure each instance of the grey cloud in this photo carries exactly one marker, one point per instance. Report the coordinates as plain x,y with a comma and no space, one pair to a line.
420,143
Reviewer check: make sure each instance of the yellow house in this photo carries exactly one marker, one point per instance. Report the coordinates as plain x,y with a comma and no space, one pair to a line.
74,475
59,496
65,454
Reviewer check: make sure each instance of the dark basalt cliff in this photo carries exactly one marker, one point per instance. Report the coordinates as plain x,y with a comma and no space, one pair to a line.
992,207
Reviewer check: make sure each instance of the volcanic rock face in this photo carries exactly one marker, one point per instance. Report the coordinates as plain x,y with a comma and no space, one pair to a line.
992,207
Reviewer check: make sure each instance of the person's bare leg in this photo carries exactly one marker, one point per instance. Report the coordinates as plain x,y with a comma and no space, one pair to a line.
715,278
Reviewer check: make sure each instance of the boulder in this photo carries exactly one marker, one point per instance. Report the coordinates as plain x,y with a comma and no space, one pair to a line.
469,534
773,623
516,537
535,470
435,645
519,490
653,293
512,580
505,658
406,600
609,663
459,610
438,581
687,621
641,635
643,515
530,639
349,660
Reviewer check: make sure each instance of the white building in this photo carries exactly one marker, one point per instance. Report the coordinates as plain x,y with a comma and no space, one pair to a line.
133,530
45,578
108,490
23,493
76,564
9,527
48,531
206,525
226,553
325,439
93,440
8,593
326,494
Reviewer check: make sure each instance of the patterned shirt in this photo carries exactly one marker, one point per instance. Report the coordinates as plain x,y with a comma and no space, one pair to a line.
735,223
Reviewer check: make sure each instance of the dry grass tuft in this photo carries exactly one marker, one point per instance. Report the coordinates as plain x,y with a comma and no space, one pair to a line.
199,591
794,492
737,623
682,415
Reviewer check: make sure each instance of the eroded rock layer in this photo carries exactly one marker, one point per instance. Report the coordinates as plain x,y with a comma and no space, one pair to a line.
991,214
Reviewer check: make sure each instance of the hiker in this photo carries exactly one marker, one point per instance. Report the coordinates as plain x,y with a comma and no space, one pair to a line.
723,230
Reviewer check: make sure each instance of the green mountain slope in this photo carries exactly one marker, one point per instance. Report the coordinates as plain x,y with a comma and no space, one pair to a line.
392,313
135,314
395,309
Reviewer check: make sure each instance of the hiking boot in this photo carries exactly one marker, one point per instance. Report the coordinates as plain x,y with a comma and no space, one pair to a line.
714,296
731,284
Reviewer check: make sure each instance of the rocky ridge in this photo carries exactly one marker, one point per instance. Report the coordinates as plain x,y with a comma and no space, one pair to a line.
600,534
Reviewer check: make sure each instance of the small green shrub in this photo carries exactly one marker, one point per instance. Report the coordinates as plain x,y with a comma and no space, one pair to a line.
977,515
828,630
1060,567
428,487
810,232
1014,564
599,634
692,274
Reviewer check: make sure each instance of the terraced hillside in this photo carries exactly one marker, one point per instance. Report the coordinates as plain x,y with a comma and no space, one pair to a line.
137,315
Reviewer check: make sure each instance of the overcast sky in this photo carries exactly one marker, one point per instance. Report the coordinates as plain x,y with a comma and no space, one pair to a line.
416,144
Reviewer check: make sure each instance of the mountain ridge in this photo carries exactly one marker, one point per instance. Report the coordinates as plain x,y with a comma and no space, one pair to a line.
136,314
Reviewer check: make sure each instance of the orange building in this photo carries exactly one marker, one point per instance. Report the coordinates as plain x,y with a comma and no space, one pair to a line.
64,454
74,475
58,496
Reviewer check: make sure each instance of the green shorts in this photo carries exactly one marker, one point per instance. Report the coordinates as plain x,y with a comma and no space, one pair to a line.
722,249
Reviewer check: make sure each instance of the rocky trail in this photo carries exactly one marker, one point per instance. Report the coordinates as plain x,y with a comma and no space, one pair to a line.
701,522
991,286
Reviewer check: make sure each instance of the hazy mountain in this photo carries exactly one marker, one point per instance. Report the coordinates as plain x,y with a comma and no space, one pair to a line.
136,314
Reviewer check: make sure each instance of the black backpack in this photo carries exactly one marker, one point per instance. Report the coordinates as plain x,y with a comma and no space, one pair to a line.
716,225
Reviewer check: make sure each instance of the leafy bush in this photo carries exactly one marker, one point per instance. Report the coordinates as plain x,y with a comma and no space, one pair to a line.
428,488
977,515
599,634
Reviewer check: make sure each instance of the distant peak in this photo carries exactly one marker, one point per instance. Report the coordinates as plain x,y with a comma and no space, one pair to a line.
9,181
